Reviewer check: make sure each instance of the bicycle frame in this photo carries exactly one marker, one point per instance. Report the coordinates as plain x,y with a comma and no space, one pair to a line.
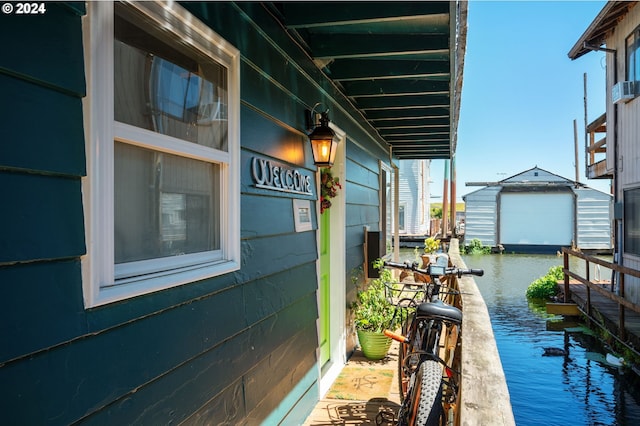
424,343
430,335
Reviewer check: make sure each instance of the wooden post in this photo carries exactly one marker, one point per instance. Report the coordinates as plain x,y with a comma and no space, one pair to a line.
588,273
445,200
453,195
396,212
622,332
575,144
586,264
567,295
586,121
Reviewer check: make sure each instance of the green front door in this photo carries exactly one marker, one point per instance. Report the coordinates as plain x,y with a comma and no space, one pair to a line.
324,289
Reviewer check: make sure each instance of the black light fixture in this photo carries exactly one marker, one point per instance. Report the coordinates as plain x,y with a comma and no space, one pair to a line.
322,138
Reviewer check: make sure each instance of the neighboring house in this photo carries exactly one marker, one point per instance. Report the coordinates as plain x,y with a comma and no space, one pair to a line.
540,212
414,197
163,258
616,31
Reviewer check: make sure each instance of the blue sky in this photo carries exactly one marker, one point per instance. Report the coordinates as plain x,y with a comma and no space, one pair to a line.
521,92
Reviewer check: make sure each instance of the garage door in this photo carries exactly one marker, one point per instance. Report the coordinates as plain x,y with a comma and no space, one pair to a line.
536,218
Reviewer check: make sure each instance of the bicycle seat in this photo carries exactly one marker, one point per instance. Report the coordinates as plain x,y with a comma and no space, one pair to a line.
439,309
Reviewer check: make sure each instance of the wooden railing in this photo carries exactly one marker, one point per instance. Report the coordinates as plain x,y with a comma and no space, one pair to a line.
596,150
617,297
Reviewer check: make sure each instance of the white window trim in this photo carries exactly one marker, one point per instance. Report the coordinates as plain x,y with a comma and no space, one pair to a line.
402,205
101,131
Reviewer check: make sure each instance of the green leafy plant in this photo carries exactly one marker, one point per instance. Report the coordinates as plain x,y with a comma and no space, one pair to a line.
372,311
431,245
547,286
475,247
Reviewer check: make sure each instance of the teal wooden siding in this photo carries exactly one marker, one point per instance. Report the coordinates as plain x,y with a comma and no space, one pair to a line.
41,164
362,187
33,114
54,49
41,306
39,214
362,209
197,352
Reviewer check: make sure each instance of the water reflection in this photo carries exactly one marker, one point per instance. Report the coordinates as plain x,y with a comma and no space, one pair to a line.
579,388
576,388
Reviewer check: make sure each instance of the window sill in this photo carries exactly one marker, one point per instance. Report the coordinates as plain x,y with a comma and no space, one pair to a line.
133,287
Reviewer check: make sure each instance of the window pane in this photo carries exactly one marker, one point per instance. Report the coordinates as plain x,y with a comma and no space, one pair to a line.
172,91
630,49
386,206
165,205
632,221
635,73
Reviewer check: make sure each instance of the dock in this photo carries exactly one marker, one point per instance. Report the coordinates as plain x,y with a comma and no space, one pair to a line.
412,241
603,305
604,312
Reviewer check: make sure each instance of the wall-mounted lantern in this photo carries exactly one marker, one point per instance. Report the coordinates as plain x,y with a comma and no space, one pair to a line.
322,138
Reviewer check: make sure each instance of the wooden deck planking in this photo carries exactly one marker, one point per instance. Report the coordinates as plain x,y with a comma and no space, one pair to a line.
609,310
352,412
343,412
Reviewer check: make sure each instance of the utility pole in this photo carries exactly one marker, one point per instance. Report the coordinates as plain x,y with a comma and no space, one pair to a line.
575,144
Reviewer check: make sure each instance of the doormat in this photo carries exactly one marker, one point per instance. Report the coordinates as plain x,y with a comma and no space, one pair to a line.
361,383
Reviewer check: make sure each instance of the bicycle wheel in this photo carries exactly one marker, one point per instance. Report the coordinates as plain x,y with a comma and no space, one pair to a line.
426,396
404,374
403,379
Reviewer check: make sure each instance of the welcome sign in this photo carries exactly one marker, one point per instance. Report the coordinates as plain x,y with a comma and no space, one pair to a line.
268,174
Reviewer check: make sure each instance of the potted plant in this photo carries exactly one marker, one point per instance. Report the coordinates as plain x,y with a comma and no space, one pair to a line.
373,314
431,245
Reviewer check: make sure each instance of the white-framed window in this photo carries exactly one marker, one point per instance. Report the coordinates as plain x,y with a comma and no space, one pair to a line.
162,192
387,202
631,201
632,56
402,217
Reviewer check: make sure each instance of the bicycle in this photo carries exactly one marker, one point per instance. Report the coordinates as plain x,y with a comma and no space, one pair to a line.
428,379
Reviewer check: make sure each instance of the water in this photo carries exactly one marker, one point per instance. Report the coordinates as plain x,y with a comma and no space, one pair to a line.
578,389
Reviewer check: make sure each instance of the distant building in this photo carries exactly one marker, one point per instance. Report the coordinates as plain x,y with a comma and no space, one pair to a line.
414,197
539,212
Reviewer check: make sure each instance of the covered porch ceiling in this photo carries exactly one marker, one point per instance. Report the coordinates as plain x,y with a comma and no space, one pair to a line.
399,63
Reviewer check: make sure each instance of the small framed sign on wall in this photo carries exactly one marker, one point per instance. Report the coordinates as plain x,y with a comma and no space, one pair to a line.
302,215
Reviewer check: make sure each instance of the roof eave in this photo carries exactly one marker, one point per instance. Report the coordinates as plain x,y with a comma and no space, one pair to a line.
595,34
457,47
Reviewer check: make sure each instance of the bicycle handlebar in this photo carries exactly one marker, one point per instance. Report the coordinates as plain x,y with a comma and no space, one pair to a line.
434,269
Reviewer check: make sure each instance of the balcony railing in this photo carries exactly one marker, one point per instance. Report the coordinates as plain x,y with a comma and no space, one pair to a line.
596,150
